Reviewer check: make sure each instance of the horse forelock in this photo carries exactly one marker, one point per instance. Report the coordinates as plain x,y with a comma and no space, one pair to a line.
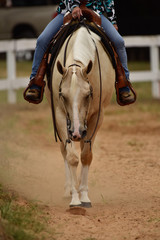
84,46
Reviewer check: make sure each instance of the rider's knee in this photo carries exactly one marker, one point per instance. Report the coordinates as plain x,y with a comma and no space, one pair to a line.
41,41
120,44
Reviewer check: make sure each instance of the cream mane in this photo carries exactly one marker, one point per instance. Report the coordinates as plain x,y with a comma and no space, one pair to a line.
84,47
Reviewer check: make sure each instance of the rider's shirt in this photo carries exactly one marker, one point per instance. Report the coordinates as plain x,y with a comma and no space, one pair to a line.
98,6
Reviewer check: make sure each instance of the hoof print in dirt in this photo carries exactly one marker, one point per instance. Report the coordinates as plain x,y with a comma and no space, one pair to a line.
77,211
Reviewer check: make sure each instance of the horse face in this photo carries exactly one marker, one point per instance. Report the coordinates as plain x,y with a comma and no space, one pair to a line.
76,96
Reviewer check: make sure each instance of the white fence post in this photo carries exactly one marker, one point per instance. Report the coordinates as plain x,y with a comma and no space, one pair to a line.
154,55
11,75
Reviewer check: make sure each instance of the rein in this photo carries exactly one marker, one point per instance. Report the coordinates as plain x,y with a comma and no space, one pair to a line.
51,87
100,90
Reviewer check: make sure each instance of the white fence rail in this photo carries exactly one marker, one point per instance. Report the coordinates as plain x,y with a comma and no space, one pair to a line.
12,83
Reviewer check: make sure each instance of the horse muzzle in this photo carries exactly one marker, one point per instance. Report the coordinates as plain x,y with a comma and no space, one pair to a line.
77,135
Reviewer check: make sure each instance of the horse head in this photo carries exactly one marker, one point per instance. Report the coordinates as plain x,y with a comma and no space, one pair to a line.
75,92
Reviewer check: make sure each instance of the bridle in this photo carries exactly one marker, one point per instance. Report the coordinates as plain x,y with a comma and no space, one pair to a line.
68,121
91,93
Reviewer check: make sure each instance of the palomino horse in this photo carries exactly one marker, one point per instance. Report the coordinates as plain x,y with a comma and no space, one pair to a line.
81,90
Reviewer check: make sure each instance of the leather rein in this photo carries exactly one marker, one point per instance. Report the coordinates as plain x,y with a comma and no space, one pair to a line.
91,93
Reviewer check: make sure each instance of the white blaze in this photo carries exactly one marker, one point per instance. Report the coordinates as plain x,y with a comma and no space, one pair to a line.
74,91
75,113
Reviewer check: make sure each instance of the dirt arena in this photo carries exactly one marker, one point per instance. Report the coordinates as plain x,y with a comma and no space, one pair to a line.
124,179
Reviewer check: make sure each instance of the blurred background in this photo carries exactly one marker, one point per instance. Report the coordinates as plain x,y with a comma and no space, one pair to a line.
25,19
28,18
129,137
138,18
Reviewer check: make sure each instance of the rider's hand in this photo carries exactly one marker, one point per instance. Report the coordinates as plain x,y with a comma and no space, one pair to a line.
116,26
77,12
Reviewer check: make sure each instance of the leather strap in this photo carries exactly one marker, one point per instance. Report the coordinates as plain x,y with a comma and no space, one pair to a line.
41,71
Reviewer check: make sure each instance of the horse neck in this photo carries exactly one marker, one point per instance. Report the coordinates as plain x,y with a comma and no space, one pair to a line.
80,49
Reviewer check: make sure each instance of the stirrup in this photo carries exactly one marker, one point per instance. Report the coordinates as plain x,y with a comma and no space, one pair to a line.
31,83
119,101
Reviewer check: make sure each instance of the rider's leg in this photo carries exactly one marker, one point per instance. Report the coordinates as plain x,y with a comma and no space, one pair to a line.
44,40
119,45
33,92
118,42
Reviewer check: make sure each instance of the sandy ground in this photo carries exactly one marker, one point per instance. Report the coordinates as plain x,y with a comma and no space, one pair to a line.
124,179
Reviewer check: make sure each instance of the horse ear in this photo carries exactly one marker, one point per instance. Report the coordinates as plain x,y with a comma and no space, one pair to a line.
87,69
62,70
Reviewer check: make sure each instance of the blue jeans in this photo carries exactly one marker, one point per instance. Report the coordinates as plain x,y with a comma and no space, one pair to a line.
53,27
118,42
43,41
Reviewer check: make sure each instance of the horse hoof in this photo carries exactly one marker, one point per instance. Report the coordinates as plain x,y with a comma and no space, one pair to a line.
86,204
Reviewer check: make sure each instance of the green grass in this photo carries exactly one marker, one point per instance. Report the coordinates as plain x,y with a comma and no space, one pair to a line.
139,66
23,68
22,221
155,220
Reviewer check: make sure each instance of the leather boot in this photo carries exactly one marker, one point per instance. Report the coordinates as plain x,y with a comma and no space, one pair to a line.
124,90
34,92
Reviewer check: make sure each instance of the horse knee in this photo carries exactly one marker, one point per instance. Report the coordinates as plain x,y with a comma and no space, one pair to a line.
73,160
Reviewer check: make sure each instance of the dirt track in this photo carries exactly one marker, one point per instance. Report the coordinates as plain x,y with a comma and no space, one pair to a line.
124,180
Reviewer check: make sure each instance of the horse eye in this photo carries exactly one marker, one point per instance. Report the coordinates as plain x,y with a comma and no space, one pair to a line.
87,97
89,94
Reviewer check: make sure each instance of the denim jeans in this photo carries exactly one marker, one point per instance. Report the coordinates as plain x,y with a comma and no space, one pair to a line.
118,42
53,27
43,41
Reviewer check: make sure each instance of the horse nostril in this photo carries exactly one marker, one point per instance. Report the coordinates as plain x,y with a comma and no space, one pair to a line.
84,133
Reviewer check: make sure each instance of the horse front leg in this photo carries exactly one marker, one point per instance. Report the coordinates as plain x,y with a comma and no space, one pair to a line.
68,181
71,162
86,159
70,159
